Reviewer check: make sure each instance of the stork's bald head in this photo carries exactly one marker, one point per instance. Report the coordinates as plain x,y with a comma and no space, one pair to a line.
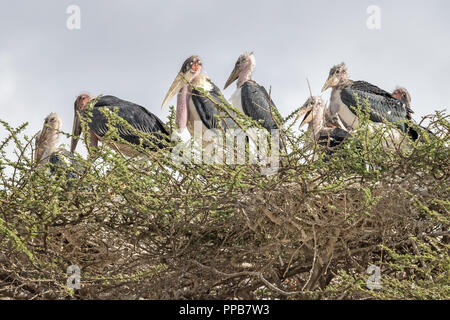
190,69
193,64
310,108
312,101
53,121
81,101
338,74
243,68
246,60
403,95
338,69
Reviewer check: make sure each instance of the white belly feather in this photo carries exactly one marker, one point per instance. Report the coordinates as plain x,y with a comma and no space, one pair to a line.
194,120
236,100
338,107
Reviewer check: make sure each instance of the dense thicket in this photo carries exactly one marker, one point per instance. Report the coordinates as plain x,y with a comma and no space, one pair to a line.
156,229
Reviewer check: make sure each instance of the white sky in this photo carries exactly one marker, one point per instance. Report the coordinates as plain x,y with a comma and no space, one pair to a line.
133,49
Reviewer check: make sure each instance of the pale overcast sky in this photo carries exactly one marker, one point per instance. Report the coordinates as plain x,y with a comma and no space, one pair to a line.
133,49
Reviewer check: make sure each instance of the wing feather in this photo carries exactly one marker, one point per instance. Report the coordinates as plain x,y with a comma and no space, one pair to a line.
207,109
256,104
383,106
137,116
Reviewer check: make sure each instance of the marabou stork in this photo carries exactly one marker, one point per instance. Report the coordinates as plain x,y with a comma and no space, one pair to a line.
137,116
193,106
47,139
250,97
46,146
346,93
322,128
403,95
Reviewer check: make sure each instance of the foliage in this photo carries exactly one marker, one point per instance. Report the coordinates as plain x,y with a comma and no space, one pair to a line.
149,227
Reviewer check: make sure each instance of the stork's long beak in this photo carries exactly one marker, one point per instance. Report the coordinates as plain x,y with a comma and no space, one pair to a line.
175,87
305,109
233,77
331,82
76,131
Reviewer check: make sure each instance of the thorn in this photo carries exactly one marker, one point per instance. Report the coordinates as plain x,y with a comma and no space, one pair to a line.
309,86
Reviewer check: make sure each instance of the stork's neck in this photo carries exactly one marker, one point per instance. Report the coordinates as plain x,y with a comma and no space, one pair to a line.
317,122
51,139
202,81
48,141
243,79
245,75
344,83
182,108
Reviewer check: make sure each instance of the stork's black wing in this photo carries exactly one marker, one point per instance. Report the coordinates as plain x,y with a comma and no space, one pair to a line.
256,104
383,106
207,109
137,116
333,138
59,163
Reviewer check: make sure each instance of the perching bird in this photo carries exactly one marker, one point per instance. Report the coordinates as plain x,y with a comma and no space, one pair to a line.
345,96
47,149
47,139
250,97
319,125
403,95
137,116
193,106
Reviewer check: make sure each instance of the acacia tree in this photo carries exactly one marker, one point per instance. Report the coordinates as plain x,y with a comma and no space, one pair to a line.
153,228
